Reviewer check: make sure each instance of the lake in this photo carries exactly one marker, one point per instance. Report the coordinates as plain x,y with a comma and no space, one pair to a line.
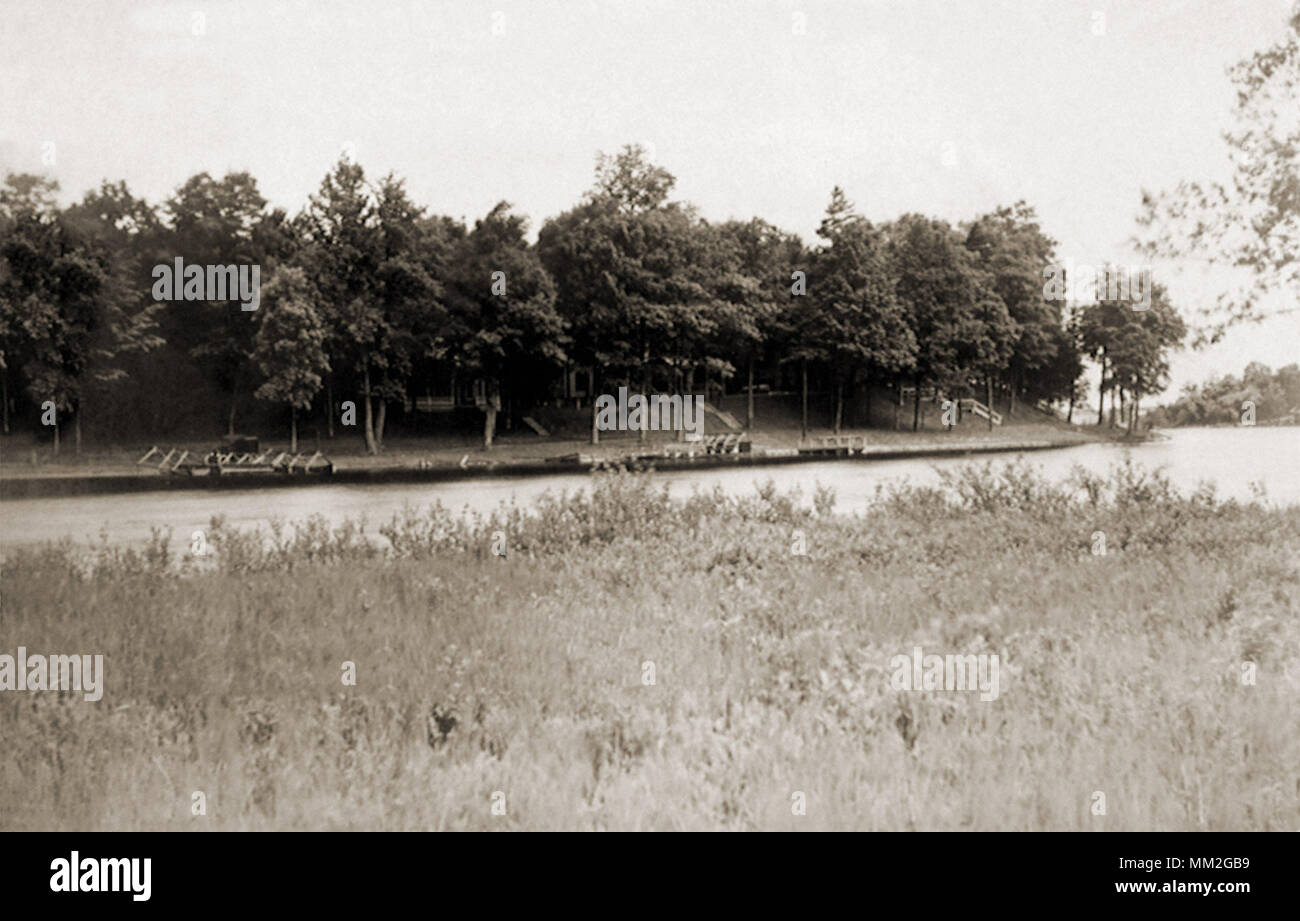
1231,458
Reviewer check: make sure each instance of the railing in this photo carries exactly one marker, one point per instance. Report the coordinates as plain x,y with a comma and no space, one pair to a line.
217,462
928,394
836,444
733,443
727,418
435,404
979,409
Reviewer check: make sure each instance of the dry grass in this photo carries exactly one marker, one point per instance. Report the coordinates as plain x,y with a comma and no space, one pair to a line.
523,674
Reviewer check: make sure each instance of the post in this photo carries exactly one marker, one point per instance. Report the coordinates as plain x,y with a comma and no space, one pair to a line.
645,394
803,369
329,404
749,387
1101,392
591,379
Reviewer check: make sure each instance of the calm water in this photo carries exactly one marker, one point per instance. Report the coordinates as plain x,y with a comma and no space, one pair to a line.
1231,458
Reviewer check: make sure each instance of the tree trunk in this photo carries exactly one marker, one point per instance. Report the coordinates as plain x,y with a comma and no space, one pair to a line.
916,406
368,429
380,417
803,373
680,386
839,403
749,390
234,407
329,404
645,392
1101,393
1135,427
1012,410
491,406
293,430
988,390
595,432
56,437
76,433
1069,413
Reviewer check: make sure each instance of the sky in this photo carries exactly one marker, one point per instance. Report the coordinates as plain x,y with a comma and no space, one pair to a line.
948,108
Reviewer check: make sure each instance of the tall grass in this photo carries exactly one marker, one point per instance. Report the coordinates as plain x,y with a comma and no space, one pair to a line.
524,673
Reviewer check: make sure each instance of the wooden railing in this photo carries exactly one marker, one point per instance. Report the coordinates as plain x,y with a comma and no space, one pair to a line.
977,408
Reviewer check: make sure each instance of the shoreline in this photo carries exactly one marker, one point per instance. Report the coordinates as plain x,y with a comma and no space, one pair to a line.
61,484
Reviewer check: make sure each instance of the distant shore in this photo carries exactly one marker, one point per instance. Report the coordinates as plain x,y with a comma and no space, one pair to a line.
410,460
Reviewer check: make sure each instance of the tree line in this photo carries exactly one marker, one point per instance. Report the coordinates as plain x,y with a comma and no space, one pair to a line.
366,293
1258,394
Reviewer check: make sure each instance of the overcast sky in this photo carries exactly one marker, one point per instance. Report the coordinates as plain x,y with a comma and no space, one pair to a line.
949,108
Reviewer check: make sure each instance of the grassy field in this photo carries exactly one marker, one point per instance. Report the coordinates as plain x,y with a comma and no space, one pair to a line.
521,679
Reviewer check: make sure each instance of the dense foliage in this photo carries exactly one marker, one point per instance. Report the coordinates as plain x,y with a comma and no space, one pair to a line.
370,297
1258,395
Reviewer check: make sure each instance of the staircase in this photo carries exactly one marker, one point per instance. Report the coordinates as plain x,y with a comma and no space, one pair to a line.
724,417
535,426
975,407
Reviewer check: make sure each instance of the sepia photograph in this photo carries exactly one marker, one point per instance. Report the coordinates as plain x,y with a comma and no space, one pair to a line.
649,415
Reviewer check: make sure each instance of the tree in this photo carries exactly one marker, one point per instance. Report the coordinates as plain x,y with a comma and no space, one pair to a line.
53,286
677,300
962,328
1253,221
27,207
630,275
289,349
504,326
407,311
1010,246
1099,323
859,325
340,249
630,181
68,310
1061,377
1220,399
1131,341
1139,349
125,234
221,222
376,293
751,279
